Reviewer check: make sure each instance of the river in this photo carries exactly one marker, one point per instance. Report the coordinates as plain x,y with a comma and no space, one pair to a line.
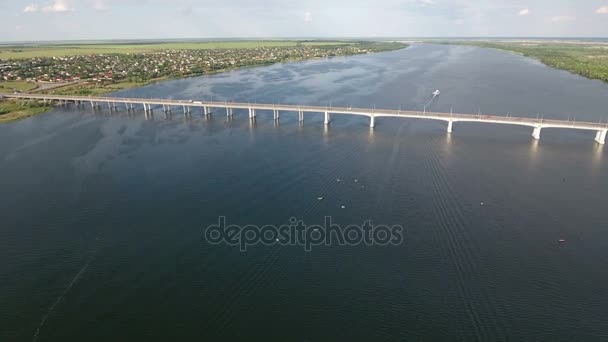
103,214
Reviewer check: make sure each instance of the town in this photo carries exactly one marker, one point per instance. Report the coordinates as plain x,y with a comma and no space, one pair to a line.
175,63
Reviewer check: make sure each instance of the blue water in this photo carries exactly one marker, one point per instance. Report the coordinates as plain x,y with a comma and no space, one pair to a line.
103,214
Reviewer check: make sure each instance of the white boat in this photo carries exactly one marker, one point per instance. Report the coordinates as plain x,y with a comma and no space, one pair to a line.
436,92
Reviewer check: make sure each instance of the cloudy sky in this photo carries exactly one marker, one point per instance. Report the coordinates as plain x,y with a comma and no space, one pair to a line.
130,19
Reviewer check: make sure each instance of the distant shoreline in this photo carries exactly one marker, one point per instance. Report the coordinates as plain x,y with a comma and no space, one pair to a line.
9,112
585,59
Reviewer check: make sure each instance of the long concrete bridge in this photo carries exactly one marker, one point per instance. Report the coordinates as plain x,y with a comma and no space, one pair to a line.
537,124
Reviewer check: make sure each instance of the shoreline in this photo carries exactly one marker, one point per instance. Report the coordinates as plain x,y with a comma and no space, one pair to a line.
29,110
568,63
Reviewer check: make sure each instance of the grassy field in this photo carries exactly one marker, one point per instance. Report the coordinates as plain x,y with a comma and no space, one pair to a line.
585,59
12,86
16,110
94,89
21,52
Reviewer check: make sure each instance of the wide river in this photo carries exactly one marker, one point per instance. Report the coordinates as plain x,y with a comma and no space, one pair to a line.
102,215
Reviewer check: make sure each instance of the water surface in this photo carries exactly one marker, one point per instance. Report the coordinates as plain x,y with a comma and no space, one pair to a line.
103,213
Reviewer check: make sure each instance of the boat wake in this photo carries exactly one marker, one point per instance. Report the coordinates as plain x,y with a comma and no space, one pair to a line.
62,295
435,94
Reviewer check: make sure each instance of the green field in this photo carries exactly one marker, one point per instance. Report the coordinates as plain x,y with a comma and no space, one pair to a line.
21,52
585,59
94,89
16,110
7,87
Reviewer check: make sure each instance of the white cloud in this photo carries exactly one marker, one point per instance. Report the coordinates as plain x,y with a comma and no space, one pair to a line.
602,10
459,21
524,11
562,18
307,17
31,8
99,5
58,6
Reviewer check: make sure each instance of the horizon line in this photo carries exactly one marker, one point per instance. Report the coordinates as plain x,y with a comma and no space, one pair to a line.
202,39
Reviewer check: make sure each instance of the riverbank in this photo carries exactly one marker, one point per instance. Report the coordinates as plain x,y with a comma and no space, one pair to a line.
585,59
252,58
12,110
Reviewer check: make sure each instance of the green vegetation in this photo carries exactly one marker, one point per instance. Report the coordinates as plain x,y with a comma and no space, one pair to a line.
16,110
21,52
585,59
94,89
12,86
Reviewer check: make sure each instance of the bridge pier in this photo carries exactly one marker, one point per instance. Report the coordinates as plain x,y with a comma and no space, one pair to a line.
327,118
450,126
600,137
206,110
251,113
536,133
301,116
147,111
276,114
228,112
372,121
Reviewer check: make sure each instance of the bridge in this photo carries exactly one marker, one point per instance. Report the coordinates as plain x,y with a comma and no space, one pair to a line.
537,124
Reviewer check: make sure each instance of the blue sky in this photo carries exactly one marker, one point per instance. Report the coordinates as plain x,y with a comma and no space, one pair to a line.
130,19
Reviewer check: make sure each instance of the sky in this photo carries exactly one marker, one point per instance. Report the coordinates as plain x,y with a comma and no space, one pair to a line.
37,20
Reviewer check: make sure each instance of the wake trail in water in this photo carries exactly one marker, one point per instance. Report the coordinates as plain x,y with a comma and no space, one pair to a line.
426,106
62,295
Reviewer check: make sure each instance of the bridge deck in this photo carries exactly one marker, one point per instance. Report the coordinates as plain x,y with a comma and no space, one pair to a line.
448,117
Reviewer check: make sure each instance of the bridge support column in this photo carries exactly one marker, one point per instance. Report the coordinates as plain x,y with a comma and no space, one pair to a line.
205,110
327,118
301,116
228,112
109,106
450,126
251,113
276,114
92,105
372,121
600,137
536,133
